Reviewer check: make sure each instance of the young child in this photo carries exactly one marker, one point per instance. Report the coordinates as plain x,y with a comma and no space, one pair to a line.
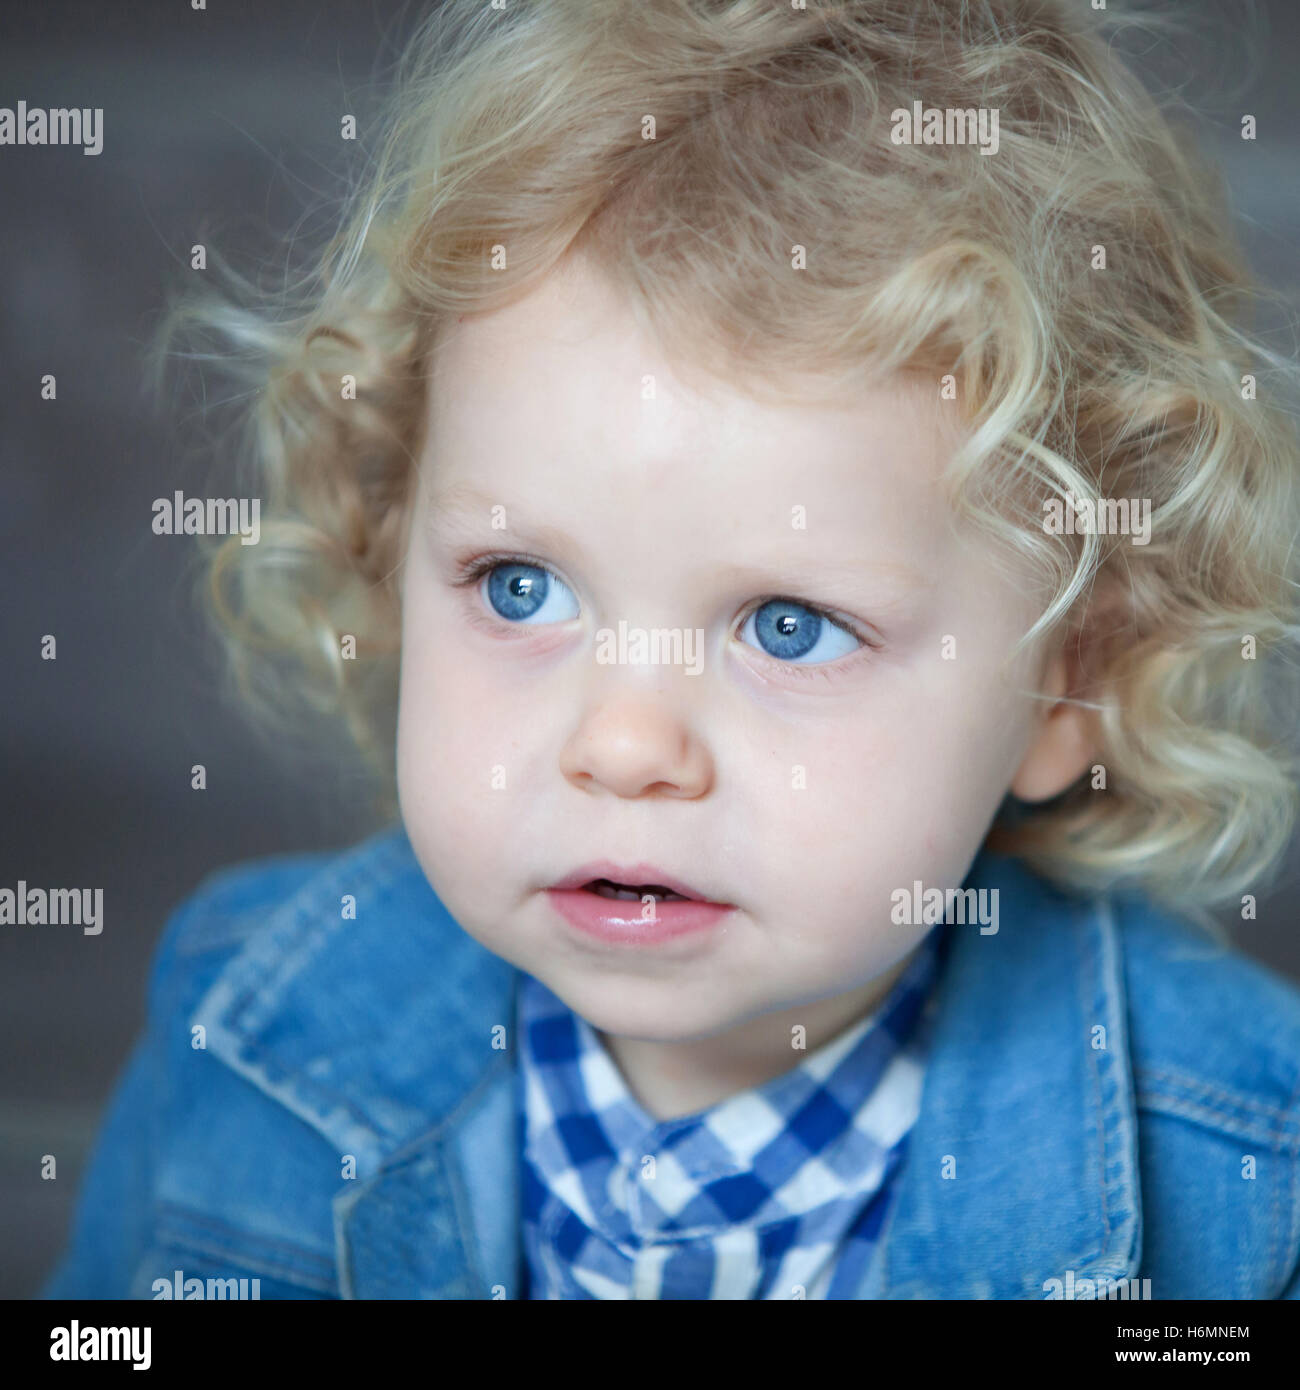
832,519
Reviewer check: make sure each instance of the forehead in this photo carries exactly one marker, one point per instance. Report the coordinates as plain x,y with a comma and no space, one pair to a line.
560,406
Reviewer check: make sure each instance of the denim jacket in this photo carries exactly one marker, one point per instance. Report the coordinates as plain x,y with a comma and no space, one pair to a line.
1109,1096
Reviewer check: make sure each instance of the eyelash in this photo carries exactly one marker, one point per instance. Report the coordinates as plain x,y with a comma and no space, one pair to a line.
469,572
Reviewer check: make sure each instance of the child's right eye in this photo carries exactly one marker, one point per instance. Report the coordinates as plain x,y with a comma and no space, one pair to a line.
523,593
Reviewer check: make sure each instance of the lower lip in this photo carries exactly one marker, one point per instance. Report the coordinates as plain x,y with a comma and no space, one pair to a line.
620,921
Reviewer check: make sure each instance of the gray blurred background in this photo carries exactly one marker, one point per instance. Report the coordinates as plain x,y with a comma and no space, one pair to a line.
222,126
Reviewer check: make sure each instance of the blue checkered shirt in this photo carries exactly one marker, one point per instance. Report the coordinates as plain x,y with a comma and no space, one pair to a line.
779,1191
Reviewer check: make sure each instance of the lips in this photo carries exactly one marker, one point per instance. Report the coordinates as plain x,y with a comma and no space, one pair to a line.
606,902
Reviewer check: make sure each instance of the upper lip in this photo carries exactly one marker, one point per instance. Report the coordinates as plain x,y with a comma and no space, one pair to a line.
630,875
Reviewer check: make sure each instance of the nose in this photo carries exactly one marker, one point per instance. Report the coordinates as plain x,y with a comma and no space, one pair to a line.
634,746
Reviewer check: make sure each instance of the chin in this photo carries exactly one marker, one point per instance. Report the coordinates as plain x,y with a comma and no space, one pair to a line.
658,1018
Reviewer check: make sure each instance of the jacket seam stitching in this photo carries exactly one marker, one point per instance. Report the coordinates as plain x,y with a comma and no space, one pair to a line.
259,1268
1111,1121
455,1180
262,1263
324,1097
1286,1242
176,1217
1276,1129
1095,1080
1220,1122
431,1142
1240,1100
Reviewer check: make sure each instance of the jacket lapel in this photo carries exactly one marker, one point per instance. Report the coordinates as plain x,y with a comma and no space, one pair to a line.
1022,1166
392,1034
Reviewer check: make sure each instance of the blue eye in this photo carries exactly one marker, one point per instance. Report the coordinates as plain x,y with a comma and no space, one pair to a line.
523,593
791,631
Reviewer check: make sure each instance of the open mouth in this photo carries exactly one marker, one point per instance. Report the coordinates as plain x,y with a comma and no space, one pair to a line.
639,908
632,893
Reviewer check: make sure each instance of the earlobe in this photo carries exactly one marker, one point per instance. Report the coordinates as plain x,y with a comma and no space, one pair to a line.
1063,747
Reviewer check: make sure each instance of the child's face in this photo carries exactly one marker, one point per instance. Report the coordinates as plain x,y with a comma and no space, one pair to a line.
802,787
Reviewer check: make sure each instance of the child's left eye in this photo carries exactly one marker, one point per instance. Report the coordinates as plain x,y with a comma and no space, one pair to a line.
790,631
524,593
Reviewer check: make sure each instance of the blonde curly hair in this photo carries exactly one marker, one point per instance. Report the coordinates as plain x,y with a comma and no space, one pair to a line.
690,146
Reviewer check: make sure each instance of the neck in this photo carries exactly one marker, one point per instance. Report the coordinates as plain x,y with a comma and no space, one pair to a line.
672,1079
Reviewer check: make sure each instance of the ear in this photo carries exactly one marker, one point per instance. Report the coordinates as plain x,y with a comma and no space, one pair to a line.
1063,747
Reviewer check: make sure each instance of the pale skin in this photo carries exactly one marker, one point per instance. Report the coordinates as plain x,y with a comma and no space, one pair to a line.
803,792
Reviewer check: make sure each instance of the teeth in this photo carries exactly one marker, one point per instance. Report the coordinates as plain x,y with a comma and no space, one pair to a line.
604,889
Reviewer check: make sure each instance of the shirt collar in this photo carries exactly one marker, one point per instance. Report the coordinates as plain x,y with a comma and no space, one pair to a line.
770,1189
821,1104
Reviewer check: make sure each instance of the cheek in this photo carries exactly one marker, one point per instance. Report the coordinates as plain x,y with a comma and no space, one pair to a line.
453,710
905,790
953,769
449,740
854,815
469,766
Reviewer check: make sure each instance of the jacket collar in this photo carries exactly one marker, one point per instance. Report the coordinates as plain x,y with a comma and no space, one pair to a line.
1022,1166
392,1034
363,1007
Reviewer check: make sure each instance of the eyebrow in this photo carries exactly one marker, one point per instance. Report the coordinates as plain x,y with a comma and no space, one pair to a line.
462,510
